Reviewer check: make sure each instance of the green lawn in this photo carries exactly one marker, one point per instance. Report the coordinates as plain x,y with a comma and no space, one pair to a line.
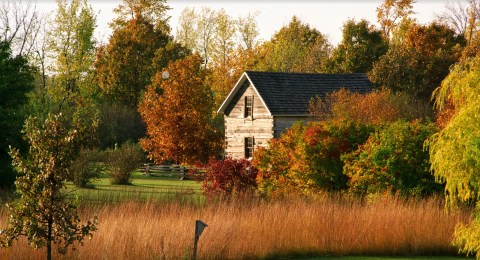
143,188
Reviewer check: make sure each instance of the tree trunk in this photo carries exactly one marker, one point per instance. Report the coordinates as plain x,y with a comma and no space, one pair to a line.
49,238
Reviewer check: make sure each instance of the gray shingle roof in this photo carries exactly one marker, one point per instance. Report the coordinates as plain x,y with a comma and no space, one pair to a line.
290,93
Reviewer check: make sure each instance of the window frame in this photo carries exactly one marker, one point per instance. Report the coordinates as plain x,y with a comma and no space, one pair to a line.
248,107
249,144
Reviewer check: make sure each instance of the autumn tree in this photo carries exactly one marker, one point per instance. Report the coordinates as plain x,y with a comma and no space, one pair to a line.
391,13
294,48
361,46
16,81
229,59
419,62
139,46
178,112
152,11
227,45
44,213
378,107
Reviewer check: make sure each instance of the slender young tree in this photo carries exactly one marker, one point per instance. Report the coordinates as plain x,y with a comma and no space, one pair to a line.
44,213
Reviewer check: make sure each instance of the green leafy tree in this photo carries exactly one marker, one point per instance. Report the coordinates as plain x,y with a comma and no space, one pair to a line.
361,46
44,213
295,48
16,81
393,161
70,47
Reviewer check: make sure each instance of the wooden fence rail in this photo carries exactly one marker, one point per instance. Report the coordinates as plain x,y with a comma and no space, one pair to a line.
165,170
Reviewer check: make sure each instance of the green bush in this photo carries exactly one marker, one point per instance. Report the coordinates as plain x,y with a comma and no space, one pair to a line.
85,167
394,161
122,162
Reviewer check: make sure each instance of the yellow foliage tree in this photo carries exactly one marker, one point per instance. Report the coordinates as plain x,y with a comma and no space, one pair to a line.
455,151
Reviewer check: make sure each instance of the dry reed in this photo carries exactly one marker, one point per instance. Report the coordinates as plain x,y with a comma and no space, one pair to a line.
258,229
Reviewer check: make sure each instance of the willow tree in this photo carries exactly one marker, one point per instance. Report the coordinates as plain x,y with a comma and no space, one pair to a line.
455,151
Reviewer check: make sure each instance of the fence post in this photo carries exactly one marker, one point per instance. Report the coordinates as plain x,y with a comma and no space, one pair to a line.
199,226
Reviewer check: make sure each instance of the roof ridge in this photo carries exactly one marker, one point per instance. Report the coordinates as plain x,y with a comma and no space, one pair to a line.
303,73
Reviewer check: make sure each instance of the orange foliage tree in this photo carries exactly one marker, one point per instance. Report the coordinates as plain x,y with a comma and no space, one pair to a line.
374,108
178,113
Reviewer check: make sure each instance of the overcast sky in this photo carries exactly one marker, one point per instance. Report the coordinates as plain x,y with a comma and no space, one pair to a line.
327,16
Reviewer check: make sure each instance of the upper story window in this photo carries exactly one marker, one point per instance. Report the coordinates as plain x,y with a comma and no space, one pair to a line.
248,106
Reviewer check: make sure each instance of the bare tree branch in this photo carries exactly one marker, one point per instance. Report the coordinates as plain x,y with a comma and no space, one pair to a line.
20,25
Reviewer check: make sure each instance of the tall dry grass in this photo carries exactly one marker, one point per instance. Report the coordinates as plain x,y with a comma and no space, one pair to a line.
239,230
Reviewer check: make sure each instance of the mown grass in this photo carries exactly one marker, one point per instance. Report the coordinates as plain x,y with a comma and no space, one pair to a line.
257,229
143,189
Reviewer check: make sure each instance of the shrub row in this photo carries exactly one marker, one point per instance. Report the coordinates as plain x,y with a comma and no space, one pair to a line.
119,163
333,156
347,156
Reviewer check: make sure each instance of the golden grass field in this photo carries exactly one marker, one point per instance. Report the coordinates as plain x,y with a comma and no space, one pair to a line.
258,230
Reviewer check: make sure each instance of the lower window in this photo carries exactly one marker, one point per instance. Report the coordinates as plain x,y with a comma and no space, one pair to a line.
249,141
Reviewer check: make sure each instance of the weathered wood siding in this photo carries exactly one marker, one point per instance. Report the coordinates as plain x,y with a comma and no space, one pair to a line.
282,123
237,127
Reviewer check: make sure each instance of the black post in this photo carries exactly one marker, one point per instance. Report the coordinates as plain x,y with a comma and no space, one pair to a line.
199,226
194,257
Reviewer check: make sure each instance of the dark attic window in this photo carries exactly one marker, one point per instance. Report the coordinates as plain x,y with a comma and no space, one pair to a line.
248,106
248,147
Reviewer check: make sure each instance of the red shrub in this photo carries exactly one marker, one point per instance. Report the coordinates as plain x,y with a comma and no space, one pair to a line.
229,177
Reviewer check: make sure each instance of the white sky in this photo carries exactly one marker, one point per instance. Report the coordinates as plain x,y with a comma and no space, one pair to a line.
327,16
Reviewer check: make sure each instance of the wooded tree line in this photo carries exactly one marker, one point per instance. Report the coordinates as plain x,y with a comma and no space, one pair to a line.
161,91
